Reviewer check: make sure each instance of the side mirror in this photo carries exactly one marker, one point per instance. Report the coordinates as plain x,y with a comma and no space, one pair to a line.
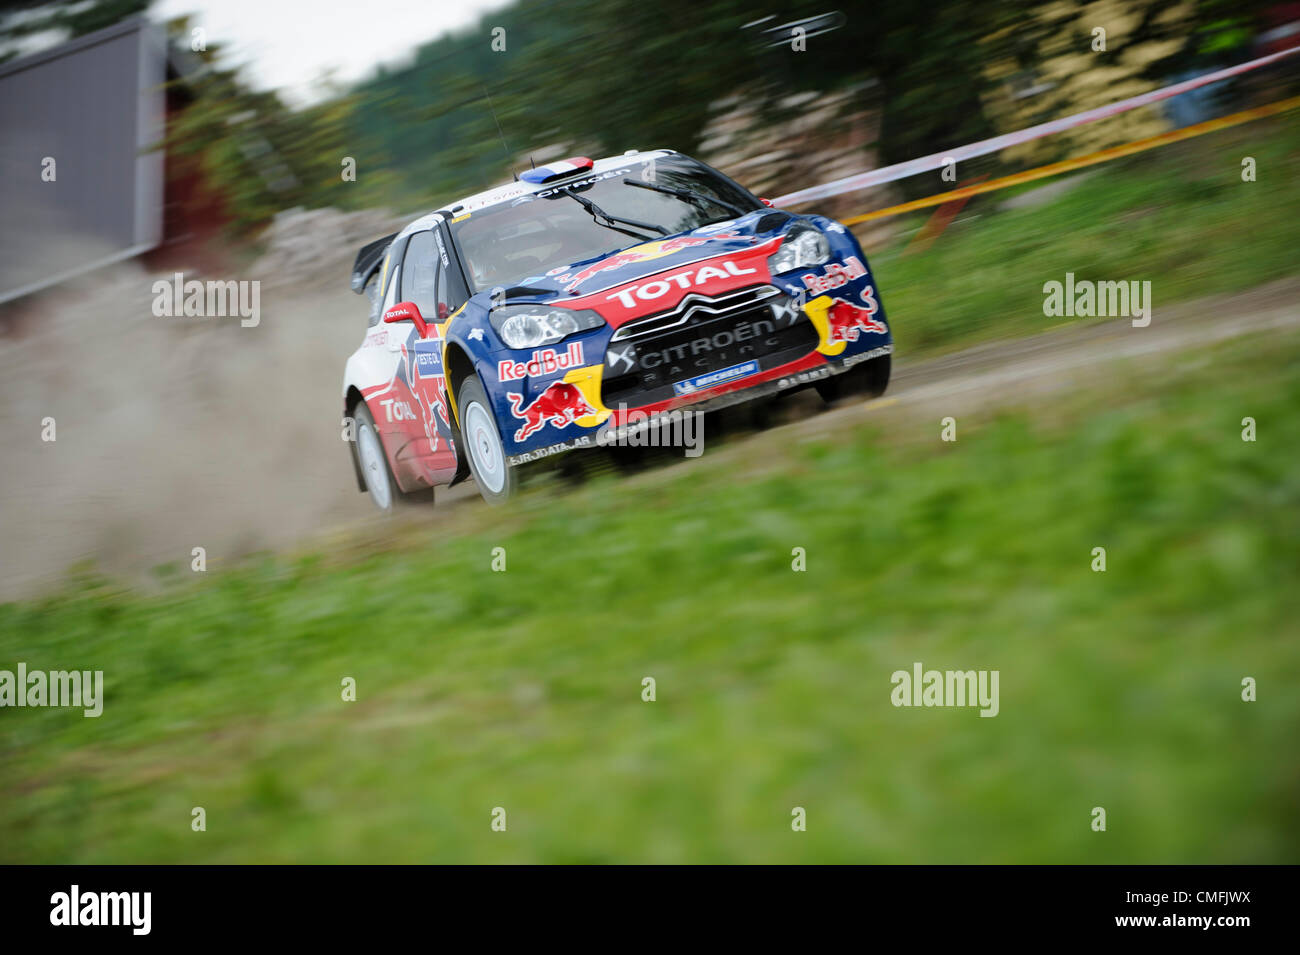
443,311
407,312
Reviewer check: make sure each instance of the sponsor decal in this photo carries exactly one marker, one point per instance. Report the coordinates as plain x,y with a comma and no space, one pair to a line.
397,410
624,357
868,355
555,191
378,337
546,361
620,359
559,406
804,377
847,320
700,382
583,441
491,198
476,335
399,311
428,359
442,249
641,253
836,275
685,279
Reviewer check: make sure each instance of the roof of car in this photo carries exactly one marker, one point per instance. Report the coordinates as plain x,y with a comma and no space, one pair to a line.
513,190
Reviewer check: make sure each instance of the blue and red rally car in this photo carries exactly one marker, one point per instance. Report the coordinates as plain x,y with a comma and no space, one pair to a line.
542,315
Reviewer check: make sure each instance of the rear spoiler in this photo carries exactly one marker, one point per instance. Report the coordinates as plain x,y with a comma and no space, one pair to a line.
368,260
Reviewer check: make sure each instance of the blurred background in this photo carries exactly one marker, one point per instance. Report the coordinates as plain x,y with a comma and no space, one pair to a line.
268,141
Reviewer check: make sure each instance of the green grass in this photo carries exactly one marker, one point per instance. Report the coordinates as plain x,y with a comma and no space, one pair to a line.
1178,216
522,689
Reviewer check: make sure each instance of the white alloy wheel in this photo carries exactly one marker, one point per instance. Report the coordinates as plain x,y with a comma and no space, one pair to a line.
495,478
487,457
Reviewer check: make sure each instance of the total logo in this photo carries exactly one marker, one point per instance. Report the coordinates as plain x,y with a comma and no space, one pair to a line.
397,410
687,278
836,275
559,405
544,362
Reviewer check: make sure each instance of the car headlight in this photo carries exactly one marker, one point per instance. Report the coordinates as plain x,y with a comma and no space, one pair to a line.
531,326
804,247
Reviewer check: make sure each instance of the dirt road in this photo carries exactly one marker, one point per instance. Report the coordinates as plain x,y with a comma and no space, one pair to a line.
172,434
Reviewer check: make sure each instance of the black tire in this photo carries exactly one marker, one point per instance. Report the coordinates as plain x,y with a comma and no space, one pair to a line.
372,461
867,380
495,479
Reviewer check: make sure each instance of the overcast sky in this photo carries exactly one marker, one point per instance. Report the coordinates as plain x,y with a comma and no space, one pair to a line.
288,44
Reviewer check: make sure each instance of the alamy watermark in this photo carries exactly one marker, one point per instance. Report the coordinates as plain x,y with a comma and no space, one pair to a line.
1088,299
79,688
923,687
666,429
178,298
75,907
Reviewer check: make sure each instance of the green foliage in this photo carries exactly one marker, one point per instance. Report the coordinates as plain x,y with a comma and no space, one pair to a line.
1179,216
616,74
79,18
522,689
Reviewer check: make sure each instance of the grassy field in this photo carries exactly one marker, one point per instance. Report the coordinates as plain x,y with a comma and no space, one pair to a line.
522,689
1179,216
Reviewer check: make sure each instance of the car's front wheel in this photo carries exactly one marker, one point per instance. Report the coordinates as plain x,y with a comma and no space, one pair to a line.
495,478
869,380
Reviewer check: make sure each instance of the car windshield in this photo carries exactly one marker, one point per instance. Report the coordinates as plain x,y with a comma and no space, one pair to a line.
549,229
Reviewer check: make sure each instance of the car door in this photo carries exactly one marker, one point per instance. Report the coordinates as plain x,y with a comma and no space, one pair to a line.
425,419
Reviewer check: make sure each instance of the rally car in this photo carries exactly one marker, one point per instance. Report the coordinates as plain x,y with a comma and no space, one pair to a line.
544,314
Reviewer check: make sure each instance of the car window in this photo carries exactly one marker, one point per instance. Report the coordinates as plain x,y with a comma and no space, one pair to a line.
536,233
420,274
390,299
451,287
372,296
391,274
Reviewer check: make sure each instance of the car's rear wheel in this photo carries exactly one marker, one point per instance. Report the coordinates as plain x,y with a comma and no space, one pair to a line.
867,380
495,478
374,463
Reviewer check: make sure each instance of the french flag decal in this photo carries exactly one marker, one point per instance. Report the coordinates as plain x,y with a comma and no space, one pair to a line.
557,170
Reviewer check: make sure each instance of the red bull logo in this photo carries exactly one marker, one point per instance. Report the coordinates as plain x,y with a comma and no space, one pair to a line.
545,362
559,406
847,321
835,275
641,253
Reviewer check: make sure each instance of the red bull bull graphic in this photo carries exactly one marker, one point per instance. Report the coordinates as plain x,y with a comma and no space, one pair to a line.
559,406
847,321
641,253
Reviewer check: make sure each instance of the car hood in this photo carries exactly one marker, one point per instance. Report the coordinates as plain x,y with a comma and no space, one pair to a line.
568,283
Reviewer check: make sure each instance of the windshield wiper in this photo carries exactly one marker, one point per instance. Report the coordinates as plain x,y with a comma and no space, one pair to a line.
597,214
686,195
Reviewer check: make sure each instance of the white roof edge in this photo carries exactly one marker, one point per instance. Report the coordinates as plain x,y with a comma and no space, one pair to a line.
512,190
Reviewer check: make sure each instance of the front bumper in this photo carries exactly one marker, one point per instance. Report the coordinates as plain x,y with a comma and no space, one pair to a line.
795,375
